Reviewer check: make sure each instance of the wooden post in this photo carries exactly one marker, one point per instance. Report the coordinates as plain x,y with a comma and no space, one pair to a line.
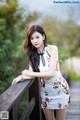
10,98
13,113
34,91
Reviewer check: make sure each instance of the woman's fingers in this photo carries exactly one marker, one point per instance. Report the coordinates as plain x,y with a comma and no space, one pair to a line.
16,80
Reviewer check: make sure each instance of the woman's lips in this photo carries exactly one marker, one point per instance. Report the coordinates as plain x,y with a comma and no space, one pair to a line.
35,44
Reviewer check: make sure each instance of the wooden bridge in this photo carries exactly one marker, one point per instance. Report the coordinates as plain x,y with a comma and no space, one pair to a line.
73,112
10,98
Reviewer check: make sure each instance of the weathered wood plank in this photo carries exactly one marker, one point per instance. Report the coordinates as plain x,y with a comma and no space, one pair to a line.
34,91
28,110
10,98
13,113
13,94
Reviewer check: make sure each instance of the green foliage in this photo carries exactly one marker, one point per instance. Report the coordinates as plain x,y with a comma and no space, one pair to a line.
13,29
22,104
63,55
65,35
73,75
14,22
7,47
7,10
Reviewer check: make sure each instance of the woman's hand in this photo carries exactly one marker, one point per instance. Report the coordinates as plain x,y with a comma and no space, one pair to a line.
21,78
17,79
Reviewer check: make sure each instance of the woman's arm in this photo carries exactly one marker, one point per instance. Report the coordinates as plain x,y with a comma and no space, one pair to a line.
53,63
21,78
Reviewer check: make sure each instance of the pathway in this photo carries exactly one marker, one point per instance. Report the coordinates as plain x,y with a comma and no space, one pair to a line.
73,112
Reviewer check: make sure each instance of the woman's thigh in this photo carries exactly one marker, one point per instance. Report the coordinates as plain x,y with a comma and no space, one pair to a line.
61,114
49,114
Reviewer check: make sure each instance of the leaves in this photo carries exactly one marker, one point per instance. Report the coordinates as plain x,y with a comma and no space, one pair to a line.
63,34
13,29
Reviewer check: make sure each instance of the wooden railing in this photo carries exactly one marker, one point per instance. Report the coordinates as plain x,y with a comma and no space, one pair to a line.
10,98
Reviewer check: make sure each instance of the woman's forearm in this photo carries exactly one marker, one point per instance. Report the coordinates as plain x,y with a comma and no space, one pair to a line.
23,77
42,74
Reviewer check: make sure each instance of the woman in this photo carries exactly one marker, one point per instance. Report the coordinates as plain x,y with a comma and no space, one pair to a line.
43,63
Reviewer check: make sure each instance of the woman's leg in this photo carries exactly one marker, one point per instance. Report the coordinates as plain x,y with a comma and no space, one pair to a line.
49,114
61,114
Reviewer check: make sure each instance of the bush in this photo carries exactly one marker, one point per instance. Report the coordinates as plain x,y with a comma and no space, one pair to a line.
74,75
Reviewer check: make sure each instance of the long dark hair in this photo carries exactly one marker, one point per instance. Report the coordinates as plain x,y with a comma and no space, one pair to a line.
33,56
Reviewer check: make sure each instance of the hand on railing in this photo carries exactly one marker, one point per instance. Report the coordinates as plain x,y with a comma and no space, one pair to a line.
17,79
21,78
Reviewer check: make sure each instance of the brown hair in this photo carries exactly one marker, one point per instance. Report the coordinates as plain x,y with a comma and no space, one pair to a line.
31,50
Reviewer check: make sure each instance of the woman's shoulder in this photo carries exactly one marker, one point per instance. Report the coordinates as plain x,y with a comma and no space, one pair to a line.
52,47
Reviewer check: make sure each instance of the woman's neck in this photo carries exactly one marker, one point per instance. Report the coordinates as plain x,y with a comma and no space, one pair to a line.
41,49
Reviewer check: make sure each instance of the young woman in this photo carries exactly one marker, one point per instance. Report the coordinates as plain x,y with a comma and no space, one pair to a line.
43,63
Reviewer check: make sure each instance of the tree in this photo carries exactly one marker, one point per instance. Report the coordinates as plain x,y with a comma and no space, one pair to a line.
12,33
63,34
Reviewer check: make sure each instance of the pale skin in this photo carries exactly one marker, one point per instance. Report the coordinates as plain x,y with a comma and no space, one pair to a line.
37,41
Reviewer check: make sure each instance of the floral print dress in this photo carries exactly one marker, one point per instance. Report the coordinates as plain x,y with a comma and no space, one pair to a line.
55,91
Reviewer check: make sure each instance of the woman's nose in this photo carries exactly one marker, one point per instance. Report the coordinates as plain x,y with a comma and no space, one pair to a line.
35,40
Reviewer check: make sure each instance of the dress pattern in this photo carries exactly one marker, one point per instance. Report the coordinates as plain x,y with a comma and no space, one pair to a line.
55,92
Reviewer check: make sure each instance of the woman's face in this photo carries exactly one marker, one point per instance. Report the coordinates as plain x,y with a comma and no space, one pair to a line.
37,40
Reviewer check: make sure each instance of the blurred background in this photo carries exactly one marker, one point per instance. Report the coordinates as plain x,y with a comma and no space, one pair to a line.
62,26
61,23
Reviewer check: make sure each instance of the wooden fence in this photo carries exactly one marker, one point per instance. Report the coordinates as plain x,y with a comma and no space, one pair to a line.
10,98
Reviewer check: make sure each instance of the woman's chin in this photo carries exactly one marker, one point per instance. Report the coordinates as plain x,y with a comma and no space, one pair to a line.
37,46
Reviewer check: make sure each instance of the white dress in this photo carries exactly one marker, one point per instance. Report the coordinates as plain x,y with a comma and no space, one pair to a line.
55,91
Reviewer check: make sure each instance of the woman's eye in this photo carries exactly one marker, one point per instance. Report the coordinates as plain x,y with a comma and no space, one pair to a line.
37,37
31,38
